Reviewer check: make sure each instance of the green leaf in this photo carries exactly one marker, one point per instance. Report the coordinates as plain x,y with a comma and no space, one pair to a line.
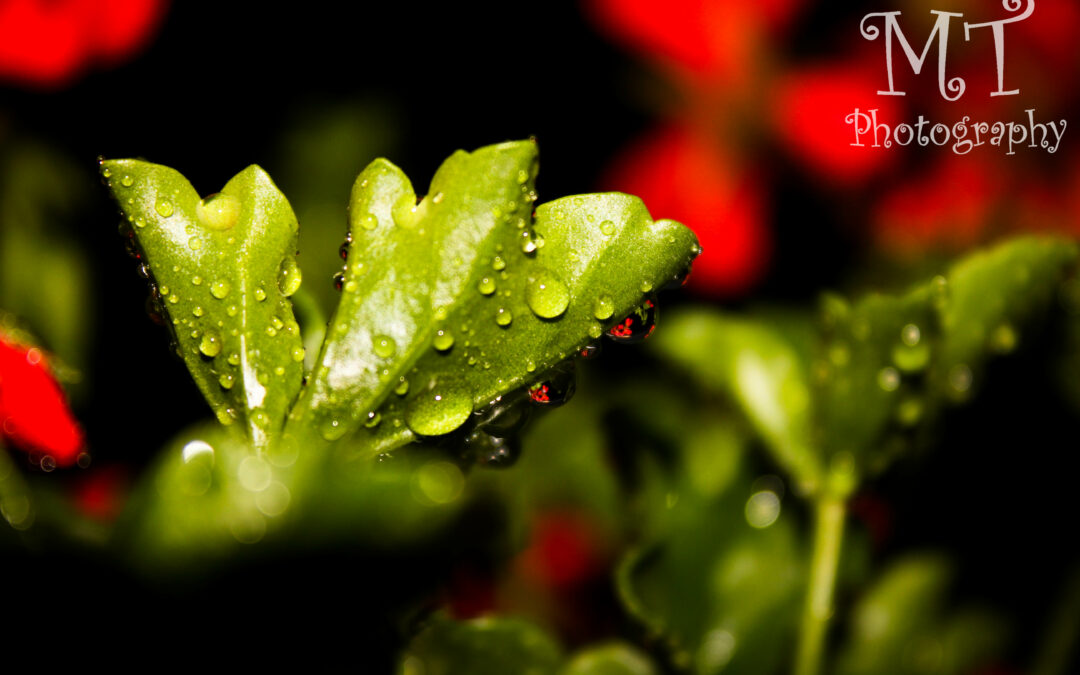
460,298
992,296
495,646
208,492
901,625
611,659
761,371
223,267
883,368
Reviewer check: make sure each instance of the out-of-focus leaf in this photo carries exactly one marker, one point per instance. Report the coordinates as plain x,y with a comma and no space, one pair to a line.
612,659
44,276
486,646
717,578
16,504
459,298
885,366
210,492
758,369
991,297
224,267
900,626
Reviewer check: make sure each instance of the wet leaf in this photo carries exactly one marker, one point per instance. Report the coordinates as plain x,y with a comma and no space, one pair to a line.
462,297
223,268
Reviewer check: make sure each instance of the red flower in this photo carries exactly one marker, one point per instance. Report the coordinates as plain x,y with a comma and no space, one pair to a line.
48,43
34,413
681,174
809,109
564,551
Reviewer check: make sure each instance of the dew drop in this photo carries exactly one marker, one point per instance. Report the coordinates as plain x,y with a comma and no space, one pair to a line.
637,326
332,430
439,410
529,242
196,280
218,211
402,388
173,299
339,280
444,339
373,419
607,228
290,279
384,346
590,351
492,452
486,286
503,317
127,181
260,294
164,208
210,344
604,307
556,388
546,295
220,289
233,359
297,354
369,222
226,381
646,286
498,264
198,311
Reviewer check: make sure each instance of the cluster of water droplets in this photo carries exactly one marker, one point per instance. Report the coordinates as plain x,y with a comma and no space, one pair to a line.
196,331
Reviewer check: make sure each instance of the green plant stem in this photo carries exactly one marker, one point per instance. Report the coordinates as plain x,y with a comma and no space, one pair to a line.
829,512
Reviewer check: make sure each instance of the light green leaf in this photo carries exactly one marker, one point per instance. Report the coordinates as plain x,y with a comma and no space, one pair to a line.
223,267
754,365
460,298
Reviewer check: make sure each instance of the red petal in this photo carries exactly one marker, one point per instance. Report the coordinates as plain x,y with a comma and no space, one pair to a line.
34,413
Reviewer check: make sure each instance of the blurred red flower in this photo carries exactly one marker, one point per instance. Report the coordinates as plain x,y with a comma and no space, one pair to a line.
564,551
681,174
34,413
48,43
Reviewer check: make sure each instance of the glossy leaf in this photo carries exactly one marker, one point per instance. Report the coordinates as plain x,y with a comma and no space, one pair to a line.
495,646
461,297
223,268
